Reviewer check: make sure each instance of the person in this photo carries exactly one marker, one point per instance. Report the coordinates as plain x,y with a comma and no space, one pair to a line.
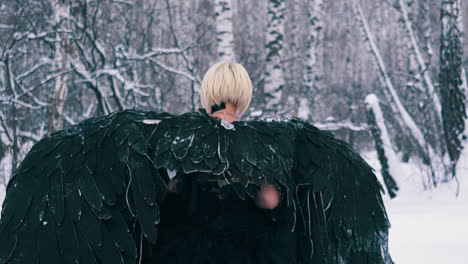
228,84
226,93
203,222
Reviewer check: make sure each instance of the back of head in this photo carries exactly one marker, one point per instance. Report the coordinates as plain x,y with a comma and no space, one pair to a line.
226,82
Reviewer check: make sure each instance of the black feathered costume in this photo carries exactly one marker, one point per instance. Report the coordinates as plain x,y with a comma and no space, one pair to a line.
97,192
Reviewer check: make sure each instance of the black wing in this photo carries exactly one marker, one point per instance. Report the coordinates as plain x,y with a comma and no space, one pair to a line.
342,213
93,198
84,195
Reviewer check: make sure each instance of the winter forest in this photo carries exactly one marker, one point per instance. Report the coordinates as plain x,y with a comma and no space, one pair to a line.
388,77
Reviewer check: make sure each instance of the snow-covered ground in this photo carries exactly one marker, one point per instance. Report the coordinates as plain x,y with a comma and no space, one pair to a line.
429,227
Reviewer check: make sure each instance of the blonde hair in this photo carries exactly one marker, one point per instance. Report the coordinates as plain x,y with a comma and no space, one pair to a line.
226,82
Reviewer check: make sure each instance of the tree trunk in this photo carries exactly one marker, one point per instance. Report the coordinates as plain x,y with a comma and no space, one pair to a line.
224,30
274,78
426,27
383,144
13,116
313,75
422,65
61,16
450,78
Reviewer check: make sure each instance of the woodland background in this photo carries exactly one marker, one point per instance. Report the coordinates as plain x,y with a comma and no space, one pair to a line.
62,61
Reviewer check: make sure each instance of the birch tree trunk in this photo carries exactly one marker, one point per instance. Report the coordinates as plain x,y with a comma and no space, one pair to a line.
291,72
451,78
315,45
61,17
426,36
224,30
419,68
13,115
383,144
274,78
422,65
402,116
313,75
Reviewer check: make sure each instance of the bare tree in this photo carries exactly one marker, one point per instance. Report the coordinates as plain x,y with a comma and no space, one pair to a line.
402,116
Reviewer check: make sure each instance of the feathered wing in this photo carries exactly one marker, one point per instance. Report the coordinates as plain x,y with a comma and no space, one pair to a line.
84,195
90,194
343,219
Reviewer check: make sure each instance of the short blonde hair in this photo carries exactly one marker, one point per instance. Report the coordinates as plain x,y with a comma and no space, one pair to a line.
226,82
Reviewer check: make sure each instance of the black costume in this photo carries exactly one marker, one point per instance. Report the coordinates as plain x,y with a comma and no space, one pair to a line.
97,193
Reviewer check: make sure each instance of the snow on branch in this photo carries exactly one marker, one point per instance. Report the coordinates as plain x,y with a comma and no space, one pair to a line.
18,36
130,3
127,84
387,156
175,71
29,135
346,124
26,105
113,72
69,119
42,62
6,26
18,102
48,78
121,54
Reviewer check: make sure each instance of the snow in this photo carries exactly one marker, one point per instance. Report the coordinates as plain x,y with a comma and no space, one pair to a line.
372,103
122,54
333,125
429,227
304,109
6,26
151,121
